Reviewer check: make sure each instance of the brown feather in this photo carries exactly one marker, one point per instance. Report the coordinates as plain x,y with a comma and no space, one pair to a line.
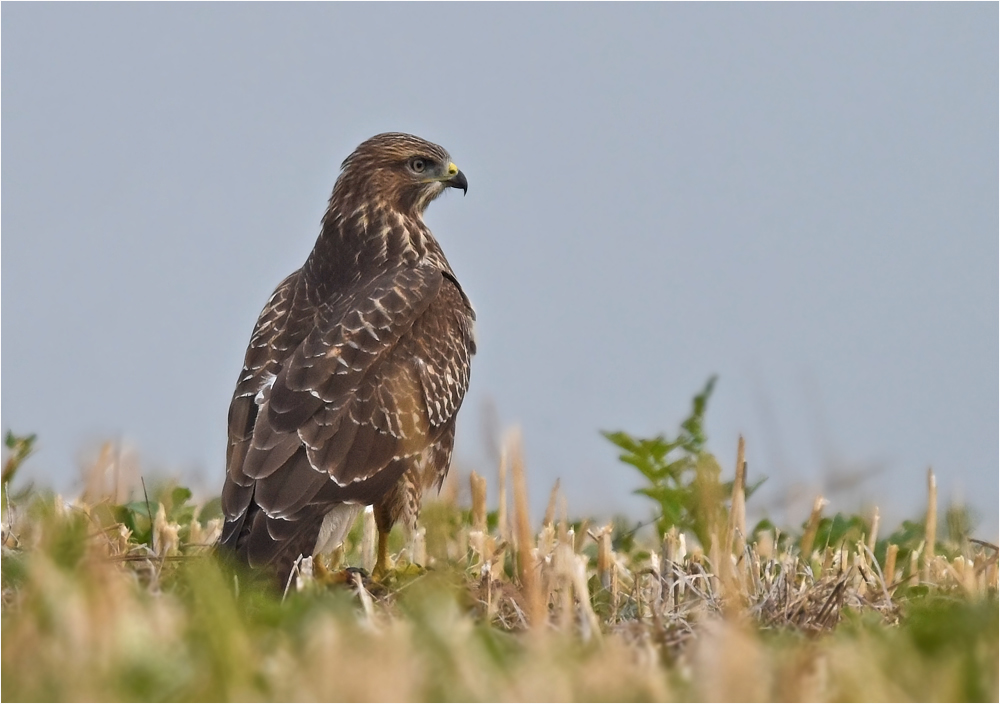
356,368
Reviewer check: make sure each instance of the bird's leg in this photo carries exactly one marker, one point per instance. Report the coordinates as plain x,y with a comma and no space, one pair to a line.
382,559
319,569
337,557
383,523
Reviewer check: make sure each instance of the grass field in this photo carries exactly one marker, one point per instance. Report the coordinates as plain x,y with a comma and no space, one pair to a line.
116,596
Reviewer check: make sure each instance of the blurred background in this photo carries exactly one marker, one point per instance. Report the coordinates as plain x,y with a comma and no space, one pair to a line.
801,199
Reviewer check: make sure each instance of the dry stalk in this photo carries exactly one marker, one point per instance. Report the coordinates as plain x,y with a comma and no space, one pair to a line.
890,565
590,621
502,524
914,574
873,531
477,487
550,510
806,546
604,558
534,599
738,514
930,535
366,599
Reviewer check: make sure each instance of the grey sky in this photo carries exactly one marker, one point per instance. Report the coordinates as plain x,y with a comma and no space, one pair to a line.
799,198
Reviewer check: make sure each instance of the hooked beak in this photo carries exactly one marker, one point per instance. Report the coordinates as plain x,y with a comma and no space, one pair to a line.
456,179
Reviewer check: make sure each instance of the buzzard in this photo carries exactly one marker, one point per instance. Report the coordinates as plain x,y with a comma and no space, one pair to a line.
355,370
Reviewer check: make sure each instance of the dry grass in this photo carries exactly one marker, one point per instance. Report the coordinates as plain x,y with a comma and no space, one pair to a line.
109,602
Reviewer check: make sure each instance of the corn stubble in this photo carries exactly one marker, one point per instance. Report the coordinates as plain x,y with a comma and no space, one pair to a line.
101,604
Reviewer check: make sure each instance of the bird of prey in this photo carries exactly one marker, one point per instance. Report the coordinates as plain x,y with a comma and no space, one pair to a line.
355,370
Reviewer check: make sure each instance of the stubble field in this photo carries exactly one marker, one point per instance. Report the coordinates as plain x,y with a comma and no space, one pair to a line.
116,595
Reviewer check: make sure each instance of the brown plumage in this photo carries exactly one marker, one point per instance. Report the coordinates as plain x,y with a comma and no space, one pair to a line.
356,368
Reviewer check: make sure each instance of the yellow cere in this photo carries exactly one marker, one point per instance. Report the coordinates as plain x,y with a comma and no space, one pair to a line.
452,169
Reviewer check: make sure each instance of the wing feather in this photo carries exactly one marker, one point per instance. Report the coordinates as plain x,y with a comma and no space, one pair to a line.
322,412
354,392
444,345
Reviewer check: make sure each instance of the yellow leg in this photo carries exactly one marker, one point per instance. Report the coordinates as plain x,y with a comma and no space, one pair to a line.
382,559
320,572
337,558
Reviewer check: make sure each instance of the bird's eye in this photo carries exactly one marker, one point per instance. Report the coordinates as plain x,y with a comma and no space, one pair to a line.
418,165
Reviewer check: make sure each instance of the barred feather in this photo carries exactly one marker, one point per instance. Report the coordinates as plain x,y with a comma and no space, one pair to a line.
356,368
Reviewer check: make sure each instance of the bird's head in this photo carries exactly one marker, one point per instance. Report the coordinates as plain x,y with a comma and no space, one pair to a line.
403,170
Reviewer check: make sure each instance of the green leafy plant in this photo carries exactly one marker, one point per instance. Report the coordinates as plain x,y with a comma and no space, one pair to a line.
836,530
683,477
90,612
19,447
